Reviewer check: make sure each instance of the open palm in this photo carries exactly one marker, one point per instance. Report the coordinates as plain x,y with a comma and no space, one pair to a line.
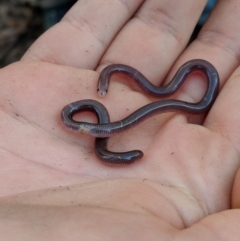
186,176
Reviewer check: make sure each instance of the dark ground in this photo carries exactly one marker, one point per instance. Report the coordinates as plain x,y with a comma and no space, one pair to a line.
21,24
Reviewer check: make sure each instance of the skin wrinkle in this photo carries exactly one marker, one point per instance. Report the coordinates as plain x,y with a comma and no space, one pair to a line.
95,207
218,39
166,24
38,163
192,199
82,24
86,26
10,170
125,4
33,200
148,212
206,210
88,150
23,120
34,56
15,116
19,156
196,200
165,197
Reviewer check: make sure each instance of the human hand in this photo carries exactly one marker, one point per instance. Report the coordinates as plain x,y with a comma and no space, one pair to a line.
51,179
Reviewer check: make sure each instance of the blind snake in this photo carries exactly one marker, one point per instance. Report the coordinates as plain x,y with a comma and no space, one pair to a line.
105,128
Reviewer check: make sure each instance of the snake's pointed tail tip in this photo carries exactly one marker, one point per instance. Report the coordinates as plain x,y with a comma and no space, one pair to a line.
125,160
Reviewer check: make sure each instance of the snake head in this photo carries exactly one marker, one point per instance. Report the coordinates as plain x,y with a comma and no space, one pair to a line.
102,92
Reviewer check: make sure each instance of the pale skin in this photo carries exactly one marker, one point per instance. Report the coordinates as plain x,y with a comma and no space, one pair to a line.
186,187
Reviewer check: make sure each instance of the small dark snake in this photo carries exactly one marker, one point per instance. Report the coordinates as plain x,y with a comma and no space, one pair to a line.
105,128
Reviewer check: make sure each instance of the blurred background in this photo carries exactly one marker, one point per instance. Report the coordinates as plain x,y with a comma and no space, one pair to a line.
23,21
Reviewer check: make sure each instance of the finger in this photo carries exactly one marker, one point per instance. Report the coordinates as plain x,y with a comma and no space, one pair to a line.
155,36
218,42
84,33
